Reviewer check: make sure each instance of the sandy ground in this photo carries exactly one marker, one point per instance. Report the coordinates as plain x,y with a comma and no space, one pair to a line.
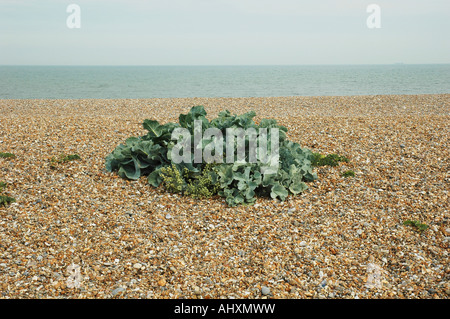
77,231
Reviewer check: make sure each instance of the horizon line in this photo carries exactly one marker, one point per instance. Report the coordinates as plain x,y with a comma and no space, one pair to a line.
199,65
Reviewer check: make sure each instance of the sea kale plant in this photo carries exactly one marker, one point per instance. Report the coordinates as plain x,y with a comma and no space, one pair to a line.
231,156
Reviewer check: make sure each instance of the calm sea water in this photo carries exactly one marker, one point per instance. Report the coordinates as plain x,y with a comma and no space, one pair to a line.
76,82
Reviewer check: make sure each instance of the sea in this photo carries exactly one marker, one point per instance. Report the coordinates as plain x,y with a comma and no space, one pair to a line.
138,82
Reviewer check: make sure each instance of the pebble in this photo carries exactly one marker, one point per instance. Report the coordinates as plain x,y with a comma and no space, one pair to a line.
196,290
265,290
132,282
117,291
162,282
137,266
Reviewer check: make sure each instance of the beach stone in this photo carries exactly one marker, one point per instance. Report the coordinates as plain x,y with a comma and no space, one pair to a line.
302,244
137,266
209,281
117,291
197,290
74,279
432,291
132,282
162,282
265,290
447,288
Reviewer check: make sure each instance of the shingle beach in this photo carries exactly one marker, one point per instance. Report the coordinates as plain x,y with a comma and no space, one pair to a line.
78,231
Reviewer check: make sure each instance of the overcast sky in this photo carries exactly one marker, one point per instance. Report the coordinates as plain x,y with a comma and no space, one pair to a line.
223,32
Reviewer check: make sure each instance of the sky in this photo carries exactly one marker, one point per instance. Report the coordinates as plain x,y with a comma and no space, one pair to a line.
223,32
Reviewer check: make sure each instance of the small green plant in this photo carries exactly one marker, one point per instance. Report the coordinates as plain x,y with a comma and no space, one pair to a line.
327,160
2,186
6,200
421,227
206,185
202,185
172,179
69,158
63,159
6,155
348,173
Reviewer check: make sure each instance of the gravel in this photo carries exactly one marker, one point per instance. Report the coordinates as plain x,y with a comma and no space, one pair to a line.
342,238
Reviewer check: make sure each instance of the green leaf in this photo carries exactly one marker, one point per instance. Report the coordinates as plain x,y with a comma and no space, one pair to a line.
196,113
225,173
279,191
131,170
154,178
153,127
268,179
298,187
